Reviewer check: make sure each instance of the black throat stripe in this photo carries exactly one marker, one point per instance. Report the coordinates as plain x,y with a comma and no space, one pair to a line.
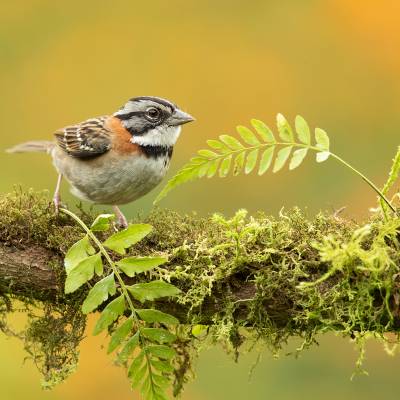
135,131
156,151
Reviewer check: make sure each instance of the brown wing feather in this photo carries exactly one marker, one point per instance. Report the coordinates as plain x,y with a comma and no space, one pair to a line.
88,139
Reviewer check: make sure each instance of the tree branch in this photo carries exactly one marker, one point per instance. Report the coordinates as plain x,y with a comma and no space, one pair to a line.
246,278
246,270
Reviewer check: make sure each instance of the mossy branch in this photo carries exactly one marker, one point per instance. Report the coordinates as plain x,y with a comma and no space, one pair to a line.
213,259
272,277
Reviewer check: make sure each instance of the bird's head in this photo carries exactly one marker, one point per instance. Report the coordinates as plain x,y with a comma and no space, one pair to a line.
153,121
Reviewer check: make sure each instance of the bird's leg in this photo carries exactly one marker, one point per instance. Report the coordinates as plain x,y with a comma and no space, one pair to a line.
57,197
121,220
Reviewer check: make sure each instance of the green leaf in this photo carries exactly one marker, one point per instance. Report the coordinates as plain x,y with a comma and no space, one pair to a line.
188,173
153,290
393,174
207,154
129,347
99,269
121,240
322,156
102,222
199,330
111,312
149,315
136,265
266,160
225,166
213,167
197,160
99,293
136,364
82,273
251,161
137,377
217,145
120,334
158,335
77,252
322,139
247,135
284,129
263,130
281,158
231,142
147,389
160,395
392,178
238,163
162,351
203,169
303,130
297,158
162,366
161,381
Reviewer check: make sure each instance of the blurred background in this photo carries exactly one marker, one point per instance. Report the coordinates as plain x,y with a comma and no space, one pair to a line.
336,62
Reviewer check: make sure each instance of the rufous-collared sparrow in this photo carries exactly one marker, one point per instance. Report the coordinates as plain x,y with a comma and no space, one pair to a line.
115,159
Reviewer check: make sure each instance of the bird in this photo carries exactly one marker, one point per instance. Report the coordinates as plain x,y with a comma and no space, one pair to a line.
115,159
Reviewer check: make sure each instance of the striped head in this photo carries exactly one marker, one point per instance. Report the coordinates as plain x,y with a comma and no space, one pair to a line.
153,121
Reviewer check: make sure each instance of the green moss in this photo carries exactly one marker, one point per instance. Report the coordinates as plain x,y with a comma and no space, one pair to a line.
52,338
54,329
249,279
28,218
276,278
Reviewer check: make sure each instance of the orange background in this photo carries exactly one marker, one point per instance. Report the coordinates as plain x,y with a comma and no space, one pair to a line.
334,62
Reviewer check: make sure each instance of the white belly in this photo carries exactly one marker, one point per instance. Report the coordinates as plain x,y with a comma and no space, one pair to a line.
111,180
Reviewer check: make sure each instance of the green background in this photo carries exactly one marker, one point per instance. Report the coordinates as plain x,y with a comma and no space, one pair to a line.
334,62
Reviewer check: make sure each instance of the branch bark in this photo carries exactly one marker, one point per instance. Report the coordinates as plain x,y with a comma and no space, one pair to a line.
28,272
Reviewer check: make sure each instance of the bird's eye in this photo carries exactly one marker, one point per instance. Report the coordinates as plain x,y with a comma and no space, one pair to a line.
153,114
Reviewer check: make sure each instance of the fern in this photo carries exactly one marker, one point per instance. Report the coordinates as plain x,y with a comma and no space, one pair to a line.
259,150
142,335
393,175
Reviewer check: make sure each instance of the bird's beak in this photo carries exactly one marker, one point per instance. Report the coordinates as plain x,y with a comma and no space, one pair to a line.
179,117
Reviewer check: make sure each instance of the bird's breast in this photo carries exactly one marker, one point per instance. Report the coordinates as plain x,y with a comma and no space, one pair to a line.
113,178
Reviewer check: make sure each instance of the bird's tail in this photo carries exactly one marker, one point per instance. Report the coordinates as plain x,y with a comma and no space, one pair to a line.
39,146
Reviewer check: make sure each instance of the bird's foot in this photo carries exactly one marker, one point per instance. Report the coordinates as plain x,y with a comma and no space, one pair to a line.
121,222
57,203
57,197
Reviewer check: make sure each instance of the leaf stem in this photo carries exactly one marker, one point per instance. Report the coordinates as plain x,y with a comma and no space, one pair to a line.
365,179
109,260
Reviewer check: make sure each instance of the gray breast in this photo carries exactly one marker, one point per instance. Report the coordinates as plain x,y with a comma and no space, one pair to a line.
113,180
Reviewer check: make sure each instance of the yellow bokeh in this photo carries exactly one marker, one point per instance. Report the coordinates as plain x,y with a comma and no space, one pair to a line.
334,62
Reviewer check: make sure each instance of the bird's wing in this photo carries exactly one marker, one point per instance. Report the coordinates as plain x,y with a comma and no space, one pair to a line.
85,140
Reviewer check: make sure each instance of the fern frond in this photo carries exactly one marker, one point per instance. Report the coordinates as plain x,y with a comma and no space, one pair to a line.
393,176
230,154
